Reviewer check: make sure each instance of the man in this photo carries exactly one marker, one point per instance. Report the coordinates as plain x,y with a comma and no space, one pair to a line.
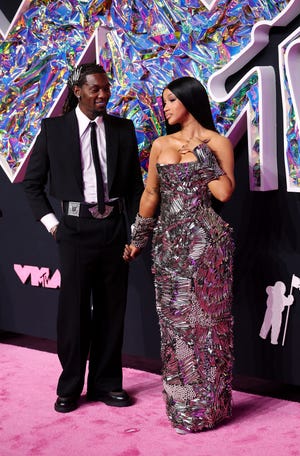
91,233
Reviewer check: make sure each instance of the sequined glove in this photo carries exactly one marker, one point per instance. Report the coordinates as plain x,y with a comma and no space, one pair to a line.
141,230
208,161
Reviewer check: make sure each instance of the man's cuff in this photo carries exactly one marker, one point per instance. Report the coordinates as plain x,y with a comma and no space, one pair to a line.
49,221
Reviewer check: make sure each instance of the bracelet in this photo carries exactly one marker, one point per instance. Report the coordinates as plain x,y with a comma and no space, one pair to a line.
141,230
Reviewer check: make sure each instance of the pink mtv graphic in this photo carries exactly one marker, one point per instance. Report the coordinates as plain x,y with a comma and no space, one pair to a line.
37,277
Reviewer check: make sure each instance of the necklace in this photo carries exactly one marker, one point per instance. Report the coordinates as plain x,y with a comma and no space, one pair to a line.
184,149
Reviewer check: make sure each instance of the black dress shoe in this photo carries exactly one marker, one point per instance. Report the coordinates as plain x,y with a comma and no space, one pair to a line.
66,404
112,398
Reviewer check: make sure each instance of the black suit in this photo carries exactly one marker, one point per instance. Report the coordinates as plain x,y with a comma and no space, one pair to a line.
90,249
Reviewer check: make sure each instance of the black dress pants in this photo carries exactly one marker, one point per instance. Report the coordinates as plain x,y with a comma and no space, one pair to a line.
92,303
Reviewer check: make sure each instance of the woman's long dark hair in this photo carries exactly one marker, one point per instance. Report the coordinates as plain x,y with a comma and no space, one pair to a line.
194,97
78,77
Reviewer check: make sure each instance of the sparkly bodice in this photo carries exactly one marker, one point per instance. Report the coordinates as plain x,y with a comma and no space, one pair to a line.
185,195
183,188
187,222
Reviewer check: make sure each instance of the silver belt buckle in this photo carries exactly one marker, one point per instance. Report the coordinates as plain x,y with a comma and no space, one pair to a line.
73,208
96,214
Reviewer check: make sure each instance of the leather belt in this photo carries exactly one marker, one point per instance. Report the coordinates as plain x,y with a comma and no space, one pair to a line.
86,210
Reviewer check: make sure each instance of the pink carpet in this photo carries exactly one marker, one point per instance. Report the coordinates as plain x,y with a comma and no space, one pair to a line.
260,426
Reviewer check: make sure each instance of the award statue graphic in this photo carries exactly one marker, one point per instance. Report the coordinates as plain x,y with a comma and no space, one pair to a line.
276,302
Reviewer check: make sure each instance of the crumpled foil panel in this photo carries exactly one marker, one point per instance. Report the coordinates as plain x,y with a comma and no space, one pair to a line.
148,44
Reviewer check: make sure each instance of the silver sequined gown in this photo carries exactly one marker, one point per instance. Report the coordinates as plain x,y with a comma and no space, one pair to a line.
192,263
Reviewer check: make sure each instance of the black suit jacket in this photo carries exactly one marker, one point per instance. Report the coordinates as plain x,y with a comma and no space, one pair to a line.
56,156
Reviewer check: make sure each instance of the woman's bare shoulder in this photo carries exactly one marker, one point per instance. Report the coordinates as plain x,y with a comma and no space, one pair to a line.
220,144
219,139
163,140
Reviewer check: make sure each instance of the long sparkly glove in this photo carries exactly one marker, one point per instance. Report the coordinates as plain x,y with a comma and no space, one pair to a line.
141,230
208,161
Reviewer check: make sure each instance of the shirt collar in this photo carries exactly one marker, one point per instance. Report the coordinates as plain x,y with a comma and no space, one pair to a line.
84,121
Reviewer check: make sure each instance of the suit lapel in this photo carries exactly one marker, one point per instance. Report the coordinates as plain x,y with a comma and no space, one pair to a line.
73,147
112,138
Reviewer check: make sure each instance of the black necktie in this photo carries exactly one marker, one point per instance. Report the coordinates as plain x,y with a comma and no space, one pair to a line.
100,190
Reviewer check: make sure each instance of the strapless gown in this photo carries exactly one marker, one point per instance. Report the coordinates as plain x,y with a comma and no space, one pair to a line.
192,265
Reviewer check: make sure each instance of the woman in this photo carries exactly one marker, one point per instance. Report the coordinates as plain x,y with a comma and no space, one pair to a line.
192,257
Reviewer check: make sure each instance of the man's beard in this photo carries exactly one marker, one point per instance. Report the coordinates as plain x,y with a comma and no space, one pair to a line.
100,113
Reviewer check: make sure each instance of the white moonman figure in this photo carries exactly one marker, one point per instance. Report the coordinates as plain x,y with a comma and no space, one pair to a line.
276,302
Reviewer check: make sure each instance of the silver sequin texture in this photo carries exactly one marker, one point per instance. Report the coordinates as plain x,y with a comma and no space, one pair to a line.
192,263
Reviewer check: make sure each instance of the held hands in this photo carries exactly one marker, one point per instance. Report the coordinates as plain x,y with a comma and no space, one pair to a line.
140,232
131,252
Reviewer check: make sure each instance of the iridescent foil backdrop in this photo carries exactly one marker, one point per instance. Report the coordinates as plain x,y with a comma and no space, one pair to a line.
148,44
292,132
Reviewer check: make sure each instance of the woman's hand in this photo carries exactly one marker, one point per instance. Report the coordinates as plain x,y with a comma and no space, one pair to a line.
130,252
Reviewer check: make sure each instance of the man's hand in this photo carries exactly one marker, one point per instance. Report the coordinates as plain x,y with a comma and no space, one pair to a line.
53,231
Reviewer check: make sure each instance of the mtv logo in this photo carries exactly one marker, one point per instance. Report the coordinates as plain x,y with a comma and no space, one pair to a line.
37,277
